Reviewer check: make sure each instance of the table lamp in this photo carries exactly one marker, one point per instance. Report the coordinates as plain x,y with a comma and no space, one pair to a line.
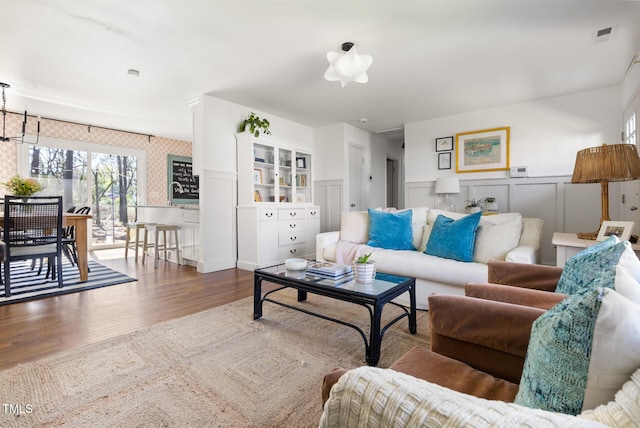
445,186
602,164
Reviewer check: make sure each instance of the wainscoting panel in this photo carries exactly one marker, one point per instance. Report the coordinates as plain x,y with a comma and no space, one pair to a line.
563,206
329,196
218,230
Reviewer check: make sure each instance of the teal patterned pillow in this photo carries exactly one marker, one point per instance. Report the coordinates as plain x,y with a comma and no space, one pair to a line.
392,231
580,270
581,352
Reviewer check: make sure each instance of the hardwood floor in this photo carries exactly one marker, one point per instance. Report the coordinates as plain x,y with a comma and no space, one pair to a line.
32,330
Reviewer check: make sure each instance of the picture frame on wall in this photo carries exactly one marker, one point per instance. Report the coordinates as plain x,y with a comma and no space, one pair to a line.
484,150
444,144
444,160
622,229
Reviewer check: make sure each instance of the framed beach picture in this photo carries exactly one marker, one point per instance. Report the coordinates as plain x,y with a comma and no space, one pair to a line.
444,160
444,143
484,150
622,229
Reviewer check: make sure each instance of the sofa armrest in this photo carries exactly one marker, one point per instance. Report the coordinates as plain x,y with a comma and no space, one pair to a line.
540,277
323,240
523,254
516,295
489,336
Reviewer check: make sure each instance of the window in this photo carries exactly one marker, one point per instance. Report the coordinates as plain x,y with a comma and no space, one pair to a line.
102,177
630,130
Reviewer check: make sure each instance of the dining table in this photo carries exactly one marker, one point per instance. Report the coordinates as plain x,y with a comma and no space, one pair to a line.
79,221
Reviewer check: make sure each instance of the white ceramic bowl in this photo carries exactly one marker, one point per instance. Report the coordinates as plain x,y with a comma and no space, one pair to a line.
295,264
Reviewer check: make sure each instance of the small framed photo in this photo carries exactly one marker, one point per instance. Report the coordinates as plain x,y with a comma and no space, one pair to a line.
257,176
444,144
444,160
301,163
622,229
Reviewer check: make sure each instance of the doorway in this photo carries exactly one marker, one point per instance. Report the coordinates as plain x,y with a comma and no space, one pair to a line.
393,181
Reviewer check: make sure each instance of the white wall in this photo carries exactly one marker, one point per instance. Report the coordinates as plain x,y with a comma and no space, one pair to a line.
545,134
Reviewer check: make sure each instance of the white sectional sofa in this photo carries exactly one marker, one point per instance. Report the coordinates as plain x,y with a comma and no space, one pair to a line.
499,237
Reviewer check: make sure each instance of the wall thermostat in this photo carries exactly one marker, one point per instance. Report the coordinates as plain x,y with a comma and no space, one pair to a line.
518,171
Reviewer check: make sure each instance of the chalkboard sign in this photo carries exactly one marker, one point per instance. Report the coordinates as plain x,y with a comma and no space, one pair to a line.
180,170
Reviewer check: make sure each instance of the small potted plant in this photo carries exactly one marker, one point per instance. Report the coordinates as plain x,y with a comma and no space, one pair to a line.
364,269
255,125
490,204
473,206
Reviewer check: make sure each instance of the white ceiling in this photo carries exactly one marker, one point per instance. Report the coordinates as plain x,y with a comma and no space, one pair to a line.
431,58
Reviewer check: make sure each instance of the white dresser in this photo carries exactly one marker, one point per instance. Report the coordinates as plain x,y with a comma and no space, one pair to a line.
568,245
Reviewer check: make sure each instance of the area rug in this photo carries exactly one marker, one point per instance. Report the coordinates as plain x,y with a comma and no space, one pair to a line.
216,368
26,284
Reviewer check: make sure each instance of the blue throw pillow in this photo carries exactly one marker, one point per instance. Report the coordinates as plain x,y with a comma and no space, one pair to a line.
579,272
454,239
390,230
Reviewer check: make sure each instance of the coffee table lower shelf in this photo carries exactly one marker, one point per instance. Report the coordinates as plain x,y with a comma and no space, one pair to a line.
374,302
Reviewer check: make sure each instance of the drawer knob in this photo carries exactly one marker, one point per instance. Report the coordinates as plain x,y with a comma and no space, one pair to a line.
292,226
292,251
293,238
292,214
269,214
313,212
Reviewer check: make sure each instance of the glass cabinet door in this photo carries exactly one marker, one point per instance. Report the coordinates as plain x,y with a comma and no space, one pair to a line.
302,177
264,173
285,171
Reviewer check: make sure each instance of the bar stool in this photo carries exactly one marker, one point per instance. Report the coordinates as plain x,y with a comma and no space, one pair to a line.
137,226
160,246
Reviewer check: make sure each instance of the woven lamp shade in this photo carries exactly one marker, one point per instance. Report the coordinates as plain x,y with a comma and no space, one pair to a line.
616,162
602,164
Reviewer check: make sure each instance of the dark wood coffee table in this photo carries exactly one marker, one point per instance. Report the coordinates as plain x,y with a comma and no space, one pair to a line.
373,296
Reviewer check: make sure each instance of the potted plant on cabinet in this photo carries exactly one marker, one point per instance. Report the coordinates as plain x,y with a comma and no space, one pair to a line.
364,269
255,125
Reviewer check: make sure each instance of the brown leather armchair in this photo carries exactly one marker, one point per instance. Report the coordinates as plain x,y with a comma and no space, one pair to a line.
479,341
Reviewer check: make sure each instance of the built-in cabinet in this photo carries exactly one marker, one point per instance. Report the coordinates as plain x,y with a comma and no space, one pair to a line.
275,215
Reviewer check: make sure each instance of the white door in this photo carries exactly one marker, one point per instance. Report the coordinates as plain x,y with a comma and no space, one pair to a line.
356,178
630,201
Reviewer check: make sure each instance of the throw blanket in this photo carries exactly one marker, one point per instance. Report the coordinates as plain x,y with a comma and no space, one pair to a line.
373,397
347,252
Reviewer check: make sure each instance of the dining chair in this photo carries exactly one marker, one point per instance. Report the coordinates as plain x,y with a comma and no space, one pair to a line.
32,230
69,238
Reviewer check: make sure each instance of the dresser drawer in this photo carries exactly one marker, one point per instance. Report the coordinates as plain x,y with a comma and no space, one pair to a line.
268,214
291,213
298,250
291,225
292,238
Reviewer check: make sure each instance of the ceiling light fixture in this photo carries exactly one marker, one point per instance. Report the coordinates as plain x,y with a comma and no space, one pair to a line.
348,66
19,139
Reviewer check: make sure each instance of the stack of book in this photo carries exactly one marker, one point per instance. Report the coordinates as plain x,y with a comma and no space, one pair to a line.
335,272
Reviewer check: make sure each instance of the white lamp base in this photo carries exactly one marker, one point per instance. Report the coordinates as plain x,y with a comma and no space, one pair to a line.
446,204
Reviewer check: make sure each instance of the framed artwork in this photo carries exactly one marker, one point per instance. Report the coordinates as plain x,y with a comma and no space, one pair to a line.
622,229
484,150
444,143
444,160
301,162
257,176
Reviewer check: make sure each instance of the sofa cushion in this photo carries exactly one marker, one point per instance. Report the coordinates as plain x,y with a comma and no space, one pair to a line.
616,266
581,352
390,230
454,239
497,235
354,226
